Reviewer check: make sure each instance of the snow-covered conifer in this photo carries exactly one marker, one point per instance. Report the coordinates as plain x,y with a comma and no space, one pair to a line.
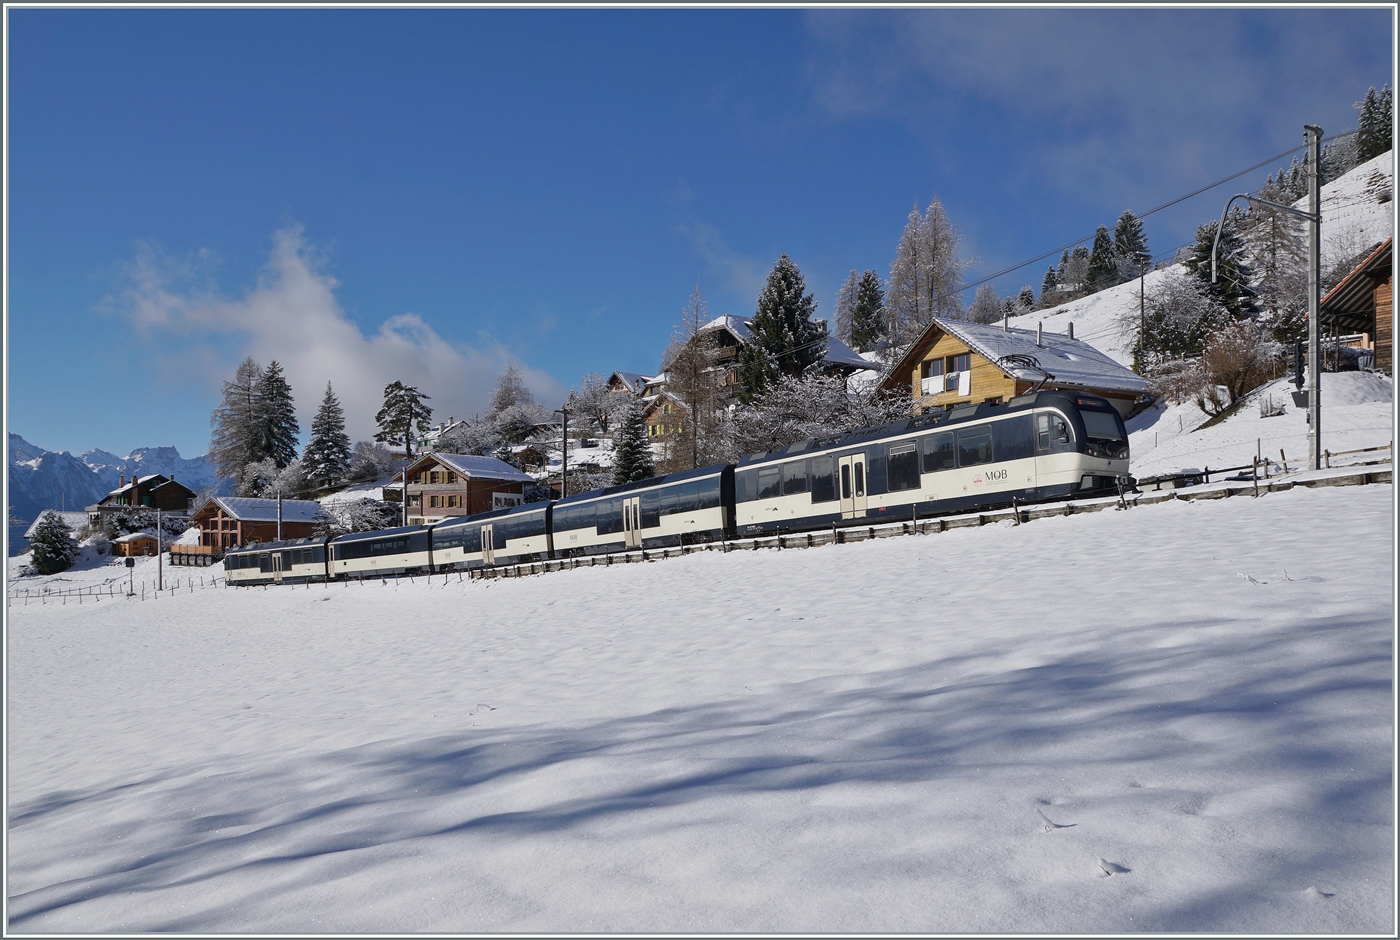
1026,299
279,417
327,455
1103,269
1232,285
783,337
53,545
632,459
1129,240
860,310
1048,286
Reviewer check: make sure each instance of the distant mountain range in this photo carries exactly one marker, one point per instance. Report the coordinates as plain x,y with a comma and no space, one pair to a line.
41,479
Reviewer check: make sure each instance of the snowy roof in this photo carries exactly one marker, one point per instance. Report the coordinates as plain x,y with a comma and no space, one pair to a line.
75,521
837,352
633,380
250,509
1071,362
474,467
135,537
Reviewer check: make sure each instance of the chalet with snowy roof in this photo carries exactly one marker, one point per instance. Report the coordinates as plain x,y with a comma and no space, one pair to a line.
664,415
74,520
429,439
957,362
627,383
1360,306
153,491
443,485
226,521
135,544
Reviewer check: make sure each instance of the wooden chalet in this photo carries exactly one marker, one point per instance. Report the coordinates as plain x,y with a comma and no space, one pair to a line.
228,521
627,383
135,544
957,362
664,415
443,485
730,334
1360,306
153,491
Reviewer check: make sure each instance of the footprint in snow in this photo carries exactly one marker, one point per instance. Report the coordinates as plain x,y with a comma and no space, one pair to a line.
1312,891
1052,826
480,706
1112,868
1241,574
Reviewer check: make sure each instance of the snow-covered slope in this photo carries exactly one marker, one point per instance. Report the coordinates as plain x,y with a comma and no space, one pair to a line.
962,732
1357,411
1356,214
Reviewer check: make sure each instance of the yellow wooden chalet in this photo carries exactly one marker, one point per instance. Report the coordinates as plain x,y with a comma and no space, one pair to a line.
957,362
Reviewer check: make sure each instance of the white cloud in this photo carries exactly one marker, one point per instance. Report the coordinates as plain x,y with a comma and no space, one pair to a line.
743,275
291,315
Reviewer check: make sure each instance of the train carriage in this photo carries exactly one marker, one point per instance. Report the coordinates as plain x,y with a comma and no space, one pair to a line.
680,508
405,550
289,560
502,537
1037,447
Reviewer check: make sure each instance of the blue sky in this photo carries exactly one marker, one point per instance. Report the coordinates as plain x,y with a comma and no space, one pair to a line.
426,195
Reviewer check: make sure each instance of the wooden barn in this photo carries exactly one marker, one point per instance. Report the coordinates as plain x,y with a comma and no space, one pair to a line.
137,543
957,362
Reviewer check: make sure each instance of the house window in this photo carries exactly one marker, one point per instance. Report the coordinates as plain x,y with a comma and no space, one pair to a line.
931,368
454,501
434,501
451,477
960,363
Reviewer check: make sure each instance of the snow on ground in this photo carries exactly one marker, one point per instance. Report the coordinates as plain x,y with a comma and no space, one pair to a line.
372,490
936,733
1357,411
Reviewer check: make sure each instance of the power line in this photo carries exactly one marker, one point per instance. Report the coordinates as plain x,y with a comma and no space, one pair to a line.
1142,215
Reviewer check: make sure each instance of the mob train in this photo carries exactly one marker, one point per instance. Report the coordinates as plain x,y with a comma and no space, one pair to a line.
1047,445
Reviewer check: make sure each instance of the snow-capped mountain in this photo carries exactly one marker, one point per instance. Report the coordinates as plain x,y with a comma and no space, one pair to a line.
42,479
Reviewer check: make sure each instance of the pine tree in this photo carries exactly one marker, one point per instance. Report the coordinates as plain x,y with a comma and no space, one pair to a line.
510,391
327,456
52,544
1384,122
846,307
1129,242
237,436
1026,299
632,458
279,417
868,320
783,337
1367,129
1231,288
1103,269
1048,286
403,411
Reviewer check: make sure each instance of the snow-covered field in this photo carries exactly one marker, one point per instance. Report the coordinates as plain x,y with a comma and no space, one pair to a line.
955,732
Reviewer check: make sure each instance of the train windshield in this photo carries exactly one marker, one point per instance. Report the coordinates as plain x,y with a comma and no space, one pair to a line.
1103,426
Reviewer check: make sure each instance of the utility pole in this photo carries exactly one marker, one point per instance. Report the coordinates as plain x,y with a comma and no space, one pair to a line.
1314,138
564,471
1142,314
1313,217
279,515
160,568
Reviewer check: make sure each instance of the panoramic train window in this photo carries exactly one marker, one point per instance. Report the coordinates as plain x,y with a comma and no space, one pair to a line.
1052,434
1014,438
685,495
938,452
707,494
652,503
769,482
974,446
823,486
903,466
794,477
609,519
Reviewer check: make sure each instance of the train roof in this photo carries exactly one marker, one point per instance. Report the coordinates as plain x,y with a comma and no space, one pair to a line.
270,546
957,415
493,514
678,477
379,533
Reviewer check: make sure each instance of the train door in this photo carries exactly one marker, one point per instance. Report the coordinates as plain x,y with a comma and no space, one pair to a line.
852,472
277,567
632,521
488,546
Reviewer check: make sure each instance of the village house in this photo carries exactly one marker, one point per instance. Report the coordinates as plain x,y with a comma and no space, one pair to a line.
730,334
627,383
444,485
664,415
1360,307
135,544
957,362
227,521
153,491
